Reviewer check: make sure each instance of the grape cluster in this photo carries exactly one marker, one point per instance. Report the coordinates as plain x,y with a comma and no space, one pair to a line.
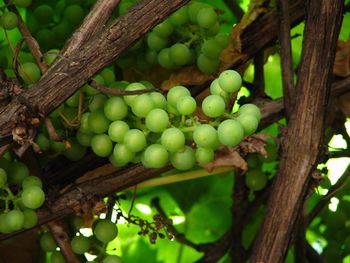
155,129
104,231
20,195
190,36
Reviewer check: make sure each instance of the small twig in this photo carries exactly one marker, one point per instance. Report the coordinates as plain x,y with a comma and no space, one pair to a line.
60,234
118,92
110,205
29,39
286,56
331,192
132,200
51,130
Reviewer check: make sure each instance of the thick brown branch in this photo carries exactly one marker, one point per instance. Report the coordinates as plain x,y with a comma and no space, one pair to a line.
303,138
92,24
286,57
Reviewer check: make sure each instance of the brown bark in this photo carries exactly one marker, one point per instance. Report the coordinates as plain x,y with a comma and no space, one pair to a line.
303,138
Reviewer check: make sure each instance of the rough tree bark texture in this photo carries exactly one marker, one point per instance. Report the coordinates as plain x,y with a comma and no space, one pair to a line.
305,130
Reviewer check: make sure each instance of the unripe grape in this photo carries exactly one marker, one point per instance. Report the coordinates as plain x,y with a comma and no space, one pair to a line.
157,120
80,244
105,230
30,218
207,65
230,81
180,54
256,179
15,220
33,197
164,29
205,136
206,17
213,106
175,93
117,130
121,155
156,156
230,133
115,109
135,140
102,145
250,109
3,178
173,139
183,160
204,155
186,105
29,72
32,181
249,123
8,20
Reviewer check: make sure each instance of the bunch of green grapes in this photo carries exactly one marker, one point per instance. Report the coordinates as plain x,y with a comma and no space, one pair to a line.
104,231
20,195
190,36
155,129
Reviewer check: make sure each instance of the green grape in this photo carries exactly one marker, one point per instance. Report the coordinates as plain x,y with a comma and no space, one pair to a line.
230,133
172,110
213,30
175,93
22,3
206,17
74,14
17,172
159,100
98,102
33,197
46,38
42,141
80,244
105,231
102,145
115,109
8,20
121,155
253,160
84,123
50,56
57,257
222,39
165,60
180,17
249,123
164,29
151,57
211,49
3,178
207,65
29,72
147,84
30,218
155,42
213,106
76,151
119,84
108,76
180,54
47,243
73,101
230,81
135,140
32,23
126,61
173,139
32,181
98,122
117,130
112,259
62,30
84,139
3,224
183,160
204,155
58,146
250,109
15,220
5,163
193,10
205,136
142,105
215,89
129,99
186,105
156,156
256,179
157,120
44,14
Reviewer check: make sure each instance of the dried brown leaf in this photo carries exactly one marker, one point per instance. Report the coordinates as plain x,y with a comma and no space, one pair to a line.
341,66
254,144
227,157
